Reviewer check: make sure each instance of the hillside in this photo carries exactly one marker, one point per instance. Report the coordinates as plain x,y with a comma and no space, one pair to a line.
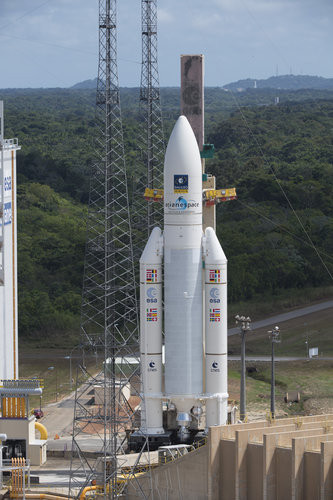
279,233
283,82
280,158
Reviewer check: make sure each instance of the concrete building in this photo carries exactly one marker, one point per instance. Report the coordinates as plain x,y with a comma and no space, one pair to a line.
8,256
19,424
287,459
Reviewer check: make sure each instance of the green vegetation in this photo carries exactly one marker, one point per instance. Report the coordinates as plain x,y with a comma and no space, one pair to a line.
279,234
52,366
312,379
276,156
51,236
296,335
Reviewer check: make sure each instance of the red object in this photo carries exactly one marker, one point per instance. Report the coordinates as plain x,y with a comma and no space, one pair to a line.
38,413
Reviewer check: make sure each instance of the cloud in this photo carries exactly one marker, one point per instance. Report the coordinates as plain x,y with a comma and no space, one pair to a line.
164,16
56,42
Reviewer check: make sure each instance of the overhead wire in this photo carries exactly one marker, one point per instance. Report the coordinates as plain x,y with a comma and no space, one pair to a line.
268,163
16,19
42,42
279,226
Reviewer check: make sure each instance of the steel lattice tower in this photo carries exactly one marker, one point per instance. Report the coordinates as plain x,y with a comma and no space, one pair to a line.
151,135
109,318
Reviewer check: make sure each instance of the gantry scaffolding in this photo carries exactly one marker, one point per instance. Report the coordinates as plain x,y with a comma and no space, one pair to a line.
149,172
107,402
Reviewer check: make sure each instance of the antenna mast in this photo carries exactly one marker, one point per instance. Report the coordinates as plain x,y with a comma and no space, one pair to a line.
109,317
151,139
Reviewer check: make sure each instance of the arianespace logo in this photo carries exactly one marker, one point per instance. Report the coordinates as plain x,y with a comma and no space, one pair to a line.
152,367
215,367
151,295
214,296
181,204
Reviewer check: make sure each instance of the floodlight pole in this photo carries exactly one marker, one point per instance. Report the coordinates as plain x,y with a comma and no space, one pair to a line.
244,327
274,337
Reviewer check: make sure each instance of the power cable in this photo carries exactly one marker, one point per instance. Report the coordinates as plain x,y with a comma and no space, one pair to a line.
24,15
280,226
42,42
251,133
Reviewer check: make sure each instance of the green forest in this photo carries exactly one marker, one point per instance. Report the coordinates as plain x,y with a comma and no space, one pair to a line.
277,235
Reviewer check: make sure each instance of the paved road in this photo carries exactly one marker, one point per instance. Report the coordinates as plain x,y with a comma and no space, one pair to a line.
273,320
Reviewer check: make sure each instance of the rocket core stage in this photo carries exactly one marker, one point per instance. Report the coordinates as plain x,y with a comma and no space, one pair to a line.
195,300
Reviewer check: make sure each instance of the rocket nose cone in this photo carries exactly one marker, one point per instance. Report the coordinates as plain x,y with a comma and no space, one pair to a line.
182,177
182,146
214,251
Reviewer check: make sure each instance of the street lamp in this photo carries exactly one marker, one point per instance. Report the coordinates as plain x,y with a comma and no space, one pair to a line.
51,368
275,340
70,369
307,340
245,326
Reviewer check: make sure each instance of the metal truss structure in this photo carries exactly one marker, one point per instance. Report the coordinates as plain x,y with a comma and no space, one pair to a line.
150,171
107,396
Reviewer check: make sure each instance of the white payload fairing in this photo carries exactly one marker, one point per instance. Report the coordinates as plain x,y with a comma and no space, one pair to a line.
195,300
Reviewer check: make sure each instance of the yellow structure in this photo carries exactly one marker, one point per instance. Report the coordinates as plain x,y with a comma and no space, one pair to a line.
214,196
13,407
17,423
153,194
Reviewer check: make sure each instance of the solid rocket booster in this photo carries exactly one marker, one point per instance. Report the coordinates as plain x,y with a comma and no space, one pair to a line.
194,268
151,333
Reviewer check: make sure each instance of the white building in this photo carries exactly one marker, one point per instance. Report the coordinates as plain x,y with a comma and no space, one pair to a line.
8,256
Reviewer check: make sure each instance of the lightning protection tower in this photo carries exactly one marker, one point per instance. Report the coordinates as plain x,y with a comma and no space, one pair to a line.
150,174
109,319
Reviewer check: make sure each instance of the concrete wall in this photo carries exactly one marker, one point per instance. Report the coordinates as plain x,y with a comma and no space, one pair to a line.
290,459
312,462
283,476
282,460
184,478
24,429
255,471
227,468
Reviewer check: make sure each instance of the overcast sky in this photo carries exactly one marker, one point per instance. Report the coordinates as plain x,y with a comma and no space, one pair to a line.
54,43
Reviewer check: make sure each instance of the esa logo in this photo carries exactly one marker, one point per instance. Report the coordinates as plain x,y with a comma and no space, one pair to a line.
151,295
214,296
215,367
180,183
152,367
8,183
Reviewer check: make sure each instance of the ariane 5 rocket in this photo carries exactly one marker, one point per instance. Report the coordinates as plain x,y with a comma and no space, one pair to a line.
195,301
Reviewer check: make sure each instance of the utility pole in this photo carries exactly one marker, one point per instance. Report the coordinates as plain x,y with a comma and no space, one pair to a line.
245,326
275,340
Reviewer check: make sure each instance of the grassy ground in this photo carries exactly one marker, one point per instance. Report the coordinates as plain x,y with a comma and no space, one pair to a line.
268,305
53,367
313,330
313,379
